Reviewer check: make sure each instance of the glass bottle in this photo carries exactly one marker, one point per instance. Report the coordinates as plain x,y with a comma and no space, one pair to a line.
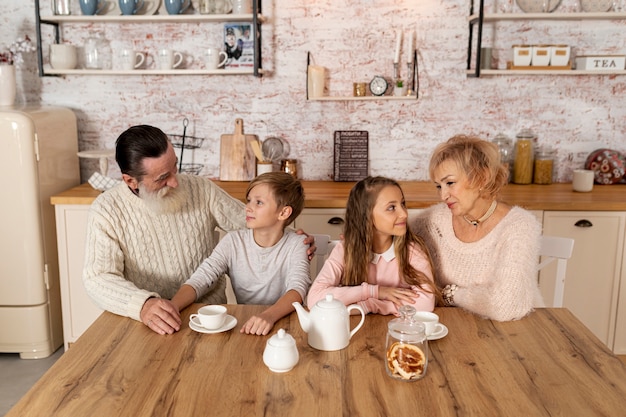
523,163
544,165
505,145
406,356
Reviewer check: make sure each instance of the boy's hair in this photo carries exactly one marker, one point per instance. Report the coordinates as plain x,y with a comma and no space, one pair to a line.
286,189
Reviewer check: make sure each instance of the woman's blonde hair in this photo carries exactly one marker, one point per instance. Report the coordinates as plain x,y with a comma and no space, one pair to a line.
477,158
359,235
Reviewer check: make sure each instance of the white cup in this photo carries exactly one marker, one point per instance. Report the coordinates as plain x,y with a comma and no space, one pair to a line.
430,320
263,167
242,6
210,317
63,56
130,59
316,80
215,58
169,59
583,180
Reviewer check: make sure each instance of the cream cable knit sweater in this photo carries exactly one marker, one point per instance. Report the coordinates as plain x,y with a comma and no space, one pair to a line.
496,276
133,253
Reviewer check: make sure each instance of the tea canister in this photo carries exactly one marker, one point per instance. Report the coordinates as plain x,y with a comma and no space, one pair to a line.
523,163
544,166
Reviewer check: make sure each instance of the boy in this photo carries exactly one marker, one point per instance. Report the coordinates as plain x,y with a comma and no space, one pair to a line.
266,263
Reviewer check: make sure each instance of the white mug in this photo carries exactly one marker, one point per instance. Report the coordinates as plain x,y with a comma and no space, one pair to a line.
242,6
63,56
215,58
430,320
130,59
169,59
583,180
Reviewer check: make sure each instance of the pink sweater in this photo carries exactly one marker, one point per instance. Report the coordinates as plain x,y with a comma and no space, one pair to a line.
384,270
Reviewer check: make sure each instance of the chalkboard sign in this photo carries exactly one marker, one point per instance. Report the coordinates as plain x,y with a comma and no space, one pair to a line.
351,155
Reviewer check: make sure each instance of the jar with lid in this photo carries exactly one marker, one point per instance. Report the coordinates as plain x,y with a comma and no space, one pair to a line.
97,52
523,162
505,145
406,356
544,165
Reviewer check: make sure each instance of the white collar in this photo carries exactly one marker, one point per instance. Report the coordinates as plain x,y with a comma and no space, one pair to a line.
388,256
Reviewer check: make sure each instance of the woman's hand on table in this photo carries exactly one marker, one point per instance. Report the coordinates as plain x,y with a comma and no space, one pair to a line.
160,315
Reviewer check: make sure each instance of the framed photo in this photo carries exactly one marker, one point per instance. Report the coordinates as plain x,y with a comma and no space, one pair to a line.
239,45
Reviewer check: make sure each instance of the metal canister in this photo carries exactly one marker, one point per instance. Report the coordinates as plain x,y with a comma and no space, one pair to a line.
61,7
290,166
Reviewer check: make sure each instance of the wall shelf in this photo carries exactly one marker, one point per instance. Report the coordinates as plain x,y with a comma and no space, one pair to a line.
57,21
477,19
366,98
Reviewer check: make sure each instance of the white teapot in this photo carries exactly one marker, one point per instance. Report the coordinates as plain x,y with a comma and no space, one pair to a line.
281,352
328,323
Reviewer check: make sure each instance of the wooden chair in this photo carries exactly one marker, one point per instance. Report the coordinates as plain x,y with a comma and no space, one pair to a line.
557,249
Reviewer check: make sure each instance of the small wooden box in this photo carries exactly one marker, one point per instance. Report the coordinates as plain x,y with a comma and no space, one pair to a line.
601,62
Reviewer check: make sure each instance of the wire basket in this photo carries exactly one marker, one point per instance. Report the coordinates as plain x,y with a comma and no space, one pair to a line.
193,169
187,142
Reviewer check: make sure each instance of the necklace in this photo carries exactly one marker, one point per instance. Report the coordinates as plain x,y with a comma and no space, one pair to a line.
485,216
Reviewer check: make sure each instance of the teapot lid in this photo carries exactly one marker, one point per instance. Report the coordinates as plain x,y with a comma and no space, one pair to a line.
281,339
329,302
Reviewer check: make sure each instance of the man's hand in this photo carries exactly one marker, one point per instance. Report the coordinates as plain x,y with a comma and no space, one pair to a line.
310,240
160,315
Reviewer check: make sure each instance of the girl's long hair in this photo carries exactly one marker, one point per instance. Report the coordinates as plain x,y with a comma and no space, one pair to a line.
359,234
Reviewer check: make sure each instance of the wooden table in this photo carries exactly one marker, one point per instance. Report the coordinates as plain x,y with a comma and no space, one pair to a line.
544,365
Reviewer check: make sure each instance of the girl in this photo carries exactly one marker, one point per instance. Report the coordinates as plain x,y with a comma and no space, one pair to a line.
380,264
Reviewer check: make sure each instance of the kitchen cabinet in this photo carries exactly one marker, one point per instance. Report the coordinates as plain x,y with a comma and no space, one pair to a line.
478,19
592,283
619,343
322,221
60,22
78,310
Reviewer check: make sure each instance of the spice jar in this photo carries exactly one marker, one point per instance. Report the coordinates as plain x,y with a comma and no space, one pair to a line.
505,145
290,166
523,163
406,356
544,165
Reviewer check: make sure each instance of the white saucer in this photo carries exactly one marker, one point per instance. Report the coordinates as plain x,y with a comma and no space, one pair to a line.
440,334
228,324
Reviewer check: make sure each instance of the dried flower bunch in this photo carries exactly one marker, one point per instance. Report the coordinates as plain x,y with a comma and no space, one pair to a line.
13,54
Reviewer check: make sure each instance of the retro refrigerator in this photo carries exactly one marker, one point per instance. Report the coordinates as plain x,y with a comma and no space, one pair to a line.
38,158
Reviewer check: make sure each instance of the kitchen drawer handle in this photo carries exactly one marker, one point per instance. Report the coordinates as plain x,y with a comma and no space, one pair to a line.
583,223
335,220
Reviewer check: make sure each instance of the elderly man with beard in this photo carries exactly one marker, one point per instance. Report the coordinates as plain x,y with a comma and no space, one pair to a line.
147,235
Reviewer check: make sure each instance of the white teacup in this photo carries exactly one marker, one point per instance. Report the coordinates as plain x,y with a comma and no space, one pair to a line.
63,56
169,59
210,317
430,320
215,58
130,59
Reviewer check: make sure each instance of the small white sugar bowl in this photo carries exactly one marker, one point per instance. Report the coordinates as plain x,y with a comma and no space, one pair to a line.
281,352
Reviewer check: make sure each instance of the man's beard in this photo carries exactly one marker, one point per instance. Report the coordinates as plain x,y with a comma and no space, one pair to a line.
167,200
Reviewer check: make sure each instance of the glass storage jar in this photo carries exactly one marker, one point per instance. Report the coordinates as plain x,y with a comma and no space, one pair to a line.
544,165
505,145
406,356
523,163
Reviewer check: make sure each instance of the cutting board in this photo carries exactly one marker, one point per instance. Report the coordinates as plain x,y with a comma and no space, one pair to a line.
237,160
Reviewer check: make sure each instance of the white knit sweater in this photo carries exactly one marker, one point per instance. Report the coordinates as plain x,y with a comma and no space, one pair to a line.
132,253
497,275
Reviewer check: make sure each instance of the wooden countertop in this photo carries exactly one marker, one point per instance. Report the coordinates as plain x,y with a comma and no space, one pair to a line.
329,194
545,364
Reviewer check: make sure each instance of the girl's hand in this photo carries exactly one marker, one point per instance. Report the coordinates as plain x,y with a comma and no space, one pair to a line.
398,296
257,325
